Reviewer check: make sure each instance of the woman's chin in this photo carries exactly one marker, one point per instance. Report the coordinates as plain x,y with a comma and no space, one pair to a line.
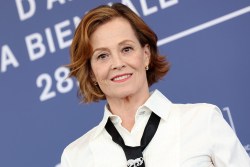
121,94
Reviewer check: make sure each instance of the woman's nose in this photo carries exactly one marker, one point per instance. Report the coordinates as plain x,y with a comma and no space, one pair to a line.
117,62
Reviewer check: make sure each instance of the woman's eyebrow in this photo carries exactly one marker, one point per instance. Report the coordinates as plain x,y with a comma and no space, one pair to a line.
125,41
120,43
100,49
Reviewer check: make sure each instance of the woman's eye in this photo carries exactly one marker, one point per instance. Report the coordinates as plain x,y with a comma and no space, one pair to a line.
102,56
127,49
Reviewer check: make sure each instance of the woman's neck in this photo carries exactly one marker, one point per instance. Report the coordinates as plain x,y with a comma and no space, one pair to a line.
126,108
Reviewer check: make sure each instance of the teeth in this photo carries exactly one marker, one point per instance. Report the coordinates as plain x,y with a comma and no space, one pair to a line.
121,77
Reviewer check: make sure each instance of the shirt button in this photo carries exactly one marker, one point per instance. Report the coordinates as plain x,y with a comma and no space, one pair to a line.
117,120
114,120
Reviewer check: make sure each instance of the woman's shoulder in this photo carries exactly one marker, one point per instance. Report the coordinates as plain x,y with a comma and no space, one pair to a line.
194,110
73,153
81,143
197,118
196,106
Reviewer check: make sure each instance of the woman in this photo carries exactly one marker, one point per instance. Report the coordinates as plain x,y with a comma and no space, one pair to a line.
114,57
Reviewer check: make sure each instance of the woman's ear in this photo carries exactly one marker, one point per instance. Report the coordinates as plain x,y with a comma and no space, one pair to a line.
147,55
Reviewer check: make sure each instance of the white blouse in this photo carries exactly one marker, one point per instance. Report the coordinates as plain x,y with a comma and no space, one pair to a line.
189,135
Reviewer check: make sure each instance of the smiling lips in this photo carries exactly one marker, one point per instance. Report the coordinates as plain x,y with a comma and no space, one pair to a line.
121,78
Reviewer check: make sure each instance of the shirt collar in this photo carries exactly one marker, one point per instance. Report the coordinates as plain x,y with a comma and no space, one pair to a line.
156,103
159,104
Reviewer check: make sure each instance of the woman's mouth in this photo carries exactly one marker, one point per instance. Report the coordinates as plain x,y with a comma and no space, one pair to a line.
121,78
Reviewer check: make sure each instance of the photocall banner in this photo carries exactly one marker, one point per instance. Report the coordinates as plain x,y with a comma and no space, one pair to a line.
206,42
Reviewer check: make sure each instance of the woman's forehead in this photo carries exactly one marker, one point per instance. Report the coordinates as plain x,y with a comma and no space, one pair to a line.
115,31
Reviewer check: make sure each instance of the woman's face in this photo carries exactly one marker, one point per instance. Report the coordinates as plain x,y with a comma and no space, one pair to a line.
118,61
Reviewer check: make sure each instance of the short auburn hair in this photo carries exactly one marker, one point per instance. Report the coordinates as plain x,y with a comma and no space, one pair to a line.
81,49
